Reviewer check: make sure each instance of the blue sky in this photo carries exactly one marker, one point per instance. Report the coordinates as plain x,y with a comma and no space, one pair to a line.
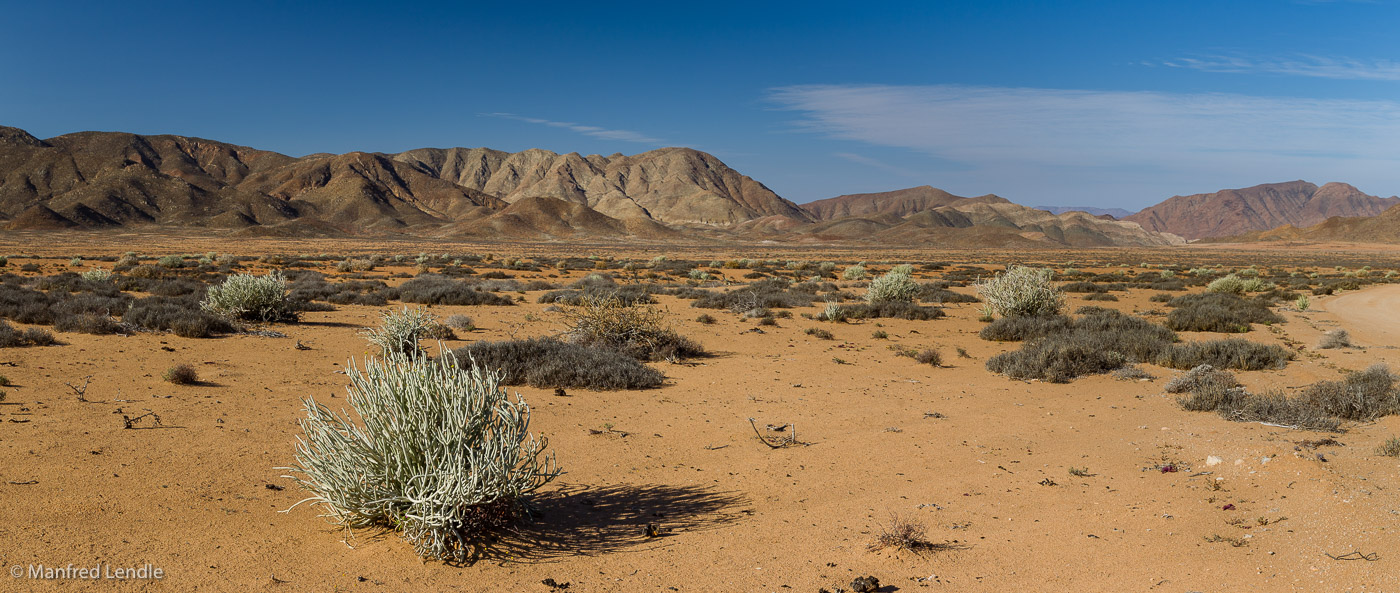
1059,103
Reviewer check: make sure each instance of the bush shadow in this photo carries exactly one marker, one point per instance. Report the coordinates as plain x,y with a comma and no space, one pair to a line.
579,520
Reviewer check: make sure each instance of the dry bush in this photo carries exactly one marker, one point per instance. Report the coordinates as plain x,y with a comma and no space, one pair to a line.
1237,354
1132,372
1019,329
636,330
549,363
929,356
460,322
1361,396
182,316
181,374
1092,344
1390,448
1337,338
1218,312
1202,377
902,534
433,289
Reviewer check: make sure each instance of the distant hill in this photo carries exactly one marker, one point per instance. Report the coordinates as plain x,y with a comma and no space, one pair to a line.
1117,213
927,215
1233,212
94,180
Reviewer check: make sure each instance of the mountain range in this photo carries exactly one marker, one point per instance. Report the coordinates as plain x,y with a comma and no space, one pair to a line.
1262,207
96,180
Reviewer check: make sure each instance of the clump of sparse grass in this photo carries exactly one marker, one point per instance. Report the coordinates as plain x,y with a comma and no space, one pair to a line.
1022,292
435,451
1337,338
819,333
181,374
705,318
880,334
1100,296
638,331
902,534
251,298
550,363
1390,448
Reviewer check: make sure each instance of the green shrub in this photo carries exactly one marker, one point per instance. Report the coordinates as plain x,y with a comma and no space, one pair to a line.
400,330
435,451
251,298
97,275
855,272
171,261
895,287
1022,292
549,363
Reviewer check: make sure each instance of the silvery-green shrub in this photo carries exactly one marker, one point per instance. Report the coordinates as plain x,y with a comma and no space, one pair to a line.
400,330
1022,292
97,275
251,298
855,272
435,451
892,287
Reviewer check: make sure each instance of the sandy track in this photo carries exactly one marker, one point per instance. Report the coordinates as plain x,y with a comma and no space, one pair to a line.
1370,315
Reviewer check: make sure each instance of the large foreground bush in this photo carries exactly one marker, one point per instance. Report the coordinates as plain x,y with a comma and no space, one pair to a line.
1022,292
251,298
433,450
549,363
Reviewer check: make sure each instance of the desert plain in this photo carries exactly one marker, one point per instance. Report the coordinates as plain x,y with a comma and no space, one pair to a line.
1097,484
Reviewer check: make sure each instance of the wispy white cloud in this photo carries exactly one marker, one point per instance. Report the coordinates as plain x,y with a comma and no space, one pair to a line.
1094,140
1301,65
594,131
881,165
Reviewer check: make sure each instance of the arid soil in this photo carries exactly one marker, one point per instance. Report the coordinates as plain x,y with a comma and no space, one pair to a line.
981,460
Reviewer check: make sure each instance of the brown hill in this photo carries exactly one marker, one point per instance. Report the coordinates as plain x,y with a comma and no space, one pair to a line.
900,203
923,215
1382,228
677,186
1262,207
553,218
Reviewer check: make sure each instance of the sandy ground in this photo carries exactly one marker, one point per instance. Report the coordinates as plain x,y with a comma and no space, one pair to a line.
981,460
1370,315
